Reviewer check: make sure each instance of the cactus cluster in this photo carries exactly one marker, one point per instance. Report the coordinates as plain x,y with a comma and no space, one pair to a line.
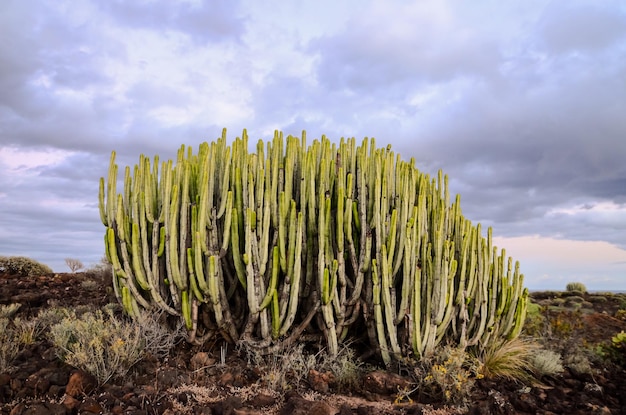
298,241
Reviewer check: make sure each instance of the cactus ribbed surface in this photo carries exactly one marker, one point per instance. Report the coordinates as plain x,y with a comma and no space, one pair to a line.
298,241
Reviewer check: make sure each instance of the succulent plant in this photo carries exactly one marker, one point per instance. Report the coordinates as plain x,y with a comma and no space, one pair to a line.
297,241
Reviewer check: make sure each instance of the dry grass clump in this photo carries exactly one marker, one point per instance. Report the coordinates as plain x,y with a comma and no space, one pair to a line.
509,360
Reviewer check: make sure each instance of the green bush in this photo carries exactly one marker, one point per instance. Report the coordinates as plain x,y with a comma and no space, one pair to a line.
616,350
23,266
576,286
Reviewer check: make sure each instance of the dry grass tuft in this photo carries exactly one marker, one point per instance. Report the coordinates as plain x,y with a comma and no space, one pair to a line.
509,360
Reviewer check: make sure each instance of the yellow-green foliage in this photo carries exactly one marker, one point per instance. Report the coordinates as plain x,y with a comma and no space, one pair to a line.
23,266
254,246
617,349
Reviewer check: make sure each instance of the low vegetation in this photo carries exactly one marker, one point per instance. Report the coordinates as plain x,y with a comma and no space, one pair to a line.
107,346
22,266
576,286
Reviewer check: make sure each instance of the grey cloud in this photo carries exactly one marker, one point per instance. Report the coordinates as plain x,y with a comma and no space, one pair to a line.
371,56
211,20
583,26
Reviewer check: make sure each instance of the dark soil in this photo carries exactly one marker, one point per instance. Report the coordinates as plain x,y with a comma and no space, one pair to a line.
190,380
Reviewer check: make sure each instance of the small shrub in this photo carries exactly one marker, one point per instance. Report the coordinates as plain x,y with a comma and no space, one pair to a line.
289,368
9,348
345,367
7,311
576,286
450,375
23,266
616,350
578,362
89,285
286,369
106,346
547,363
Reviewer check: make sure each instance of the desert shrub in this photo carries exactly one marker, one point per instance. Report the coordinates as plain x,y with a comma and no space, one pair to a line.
280,371
48,317
89,285
576,286
346,368
9,348
23,266
106,346
289,368
449,375
577,361
8,310
547,363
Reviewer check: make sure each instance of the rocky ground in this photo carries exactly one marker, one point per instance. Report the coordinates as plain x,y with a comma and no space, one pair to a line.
193,380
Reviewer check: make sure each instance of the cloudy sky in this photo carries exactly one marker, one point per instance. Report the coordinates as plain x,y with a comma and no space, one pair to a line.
522,103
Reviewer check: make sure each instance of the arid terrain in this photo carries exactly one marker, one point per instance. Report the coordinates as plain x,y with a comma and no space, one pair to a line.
214,379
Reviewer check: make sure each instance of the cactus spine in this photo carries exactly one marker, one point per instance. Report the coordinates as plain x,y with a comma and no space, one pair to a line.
331,239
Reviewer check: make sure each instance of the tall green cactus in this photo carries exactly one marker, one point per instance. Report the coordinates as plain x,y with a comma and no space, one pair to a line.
306,241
